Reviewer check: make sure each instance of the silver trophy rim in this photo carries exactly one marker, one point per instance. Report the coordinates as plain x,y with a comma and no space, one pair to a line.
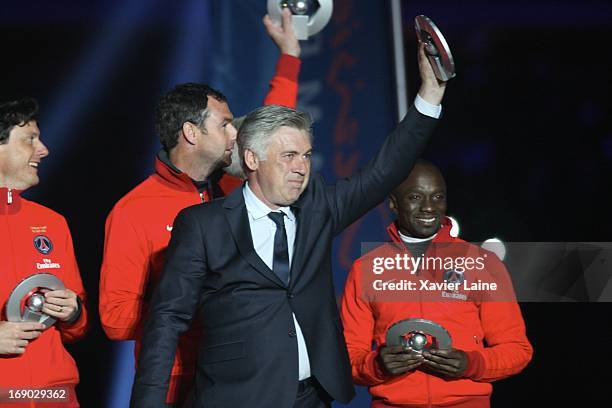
424,23
314,24
402,327
44,280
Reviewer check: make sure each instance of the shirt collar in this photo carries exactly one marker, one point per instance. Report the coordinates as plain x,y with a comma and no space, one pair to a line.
257,209
410,240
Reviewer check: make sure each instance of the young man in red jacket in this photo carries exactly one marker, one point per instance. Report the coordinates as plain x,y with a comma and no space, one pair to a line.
34,239
195,125
488,336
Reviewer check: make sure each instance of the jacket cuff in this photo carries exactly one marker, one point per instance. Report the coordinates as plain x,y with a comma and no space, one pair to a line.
77,315
377,372
476,365
288,67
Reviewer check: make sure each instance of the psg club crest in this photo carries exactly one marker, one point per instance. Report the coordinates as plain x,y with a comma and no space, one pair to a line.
453,276
43,244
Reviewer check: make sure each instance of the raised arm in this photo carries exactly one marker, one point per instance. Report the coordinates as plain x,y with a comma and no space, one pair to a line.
352,197
284,85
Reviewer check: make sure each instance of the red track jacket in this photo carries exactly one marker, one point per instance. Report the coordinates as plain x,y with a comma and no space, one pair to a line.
471,324
45,362
138,232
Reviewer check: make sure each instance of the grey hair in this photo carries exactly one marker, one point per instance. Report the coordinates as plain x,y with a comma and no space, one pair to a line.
260,124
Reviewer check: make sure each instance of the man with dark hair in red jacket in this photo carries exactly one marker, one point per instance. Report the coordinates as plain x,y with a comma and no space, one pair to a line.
196,130
34,239
488,336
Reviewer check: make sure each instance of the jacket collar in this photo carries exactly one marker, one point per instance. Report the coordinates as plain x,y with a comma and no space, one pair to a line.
10,200
175,178
170,175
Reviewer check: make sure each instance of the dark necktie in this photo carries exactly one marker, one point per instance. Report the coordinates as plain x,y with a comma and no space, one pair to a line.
280,264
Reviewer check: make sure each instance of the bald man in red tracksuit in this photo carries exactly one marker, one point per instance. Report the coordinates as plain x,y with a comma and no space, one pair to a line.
138,229
486,326
505,352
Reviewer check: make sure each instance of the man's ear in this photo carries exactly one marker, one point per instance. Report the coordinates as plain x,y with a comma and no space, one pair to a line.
188,133
251,160
393,204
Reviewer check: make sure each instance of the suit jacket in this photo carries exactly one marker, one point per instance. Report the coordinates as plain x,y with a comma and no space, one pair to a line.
248,352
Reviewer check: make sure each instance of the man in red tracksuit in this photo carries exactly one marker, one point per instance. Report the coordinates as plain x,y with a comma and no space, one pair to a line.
488,336
195,126
34,239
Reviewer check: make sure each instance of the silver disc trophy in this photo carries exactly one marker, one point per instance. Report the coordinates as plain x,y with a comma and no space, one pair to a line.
309,16
436,48
418,335
26,301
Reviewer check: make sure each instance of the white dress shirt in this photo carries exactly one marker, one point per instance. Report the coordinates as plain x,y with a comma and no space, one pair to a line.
263,230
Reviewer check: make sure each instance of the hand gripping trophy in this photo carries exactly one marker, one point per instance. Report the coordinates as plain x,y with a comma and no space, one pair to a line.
436,48
27,299
309,16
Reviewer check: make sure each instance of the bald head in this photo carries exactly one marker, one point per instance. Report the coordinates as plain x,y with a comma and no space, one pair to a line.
420,201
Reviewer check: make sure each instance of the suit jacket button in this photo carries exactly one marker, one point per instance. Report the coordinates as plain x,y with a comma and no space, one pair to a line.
292,333
290,295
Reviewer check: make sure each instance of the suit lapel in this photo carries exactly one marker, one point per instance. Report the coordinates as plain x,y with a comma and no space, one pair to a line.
303,214
237,217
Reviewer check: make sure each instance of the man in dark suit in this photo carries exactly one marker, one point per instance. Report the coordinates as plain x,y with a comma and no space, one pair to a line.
255,268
